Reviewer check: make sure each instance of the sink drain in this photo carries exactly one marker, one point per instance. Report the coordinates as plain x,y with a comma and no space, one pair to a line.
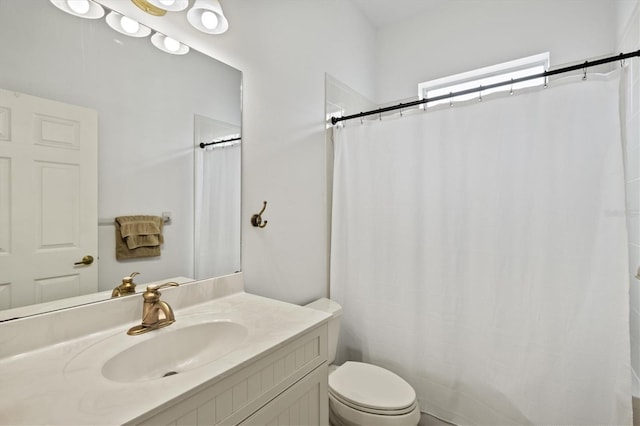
169,373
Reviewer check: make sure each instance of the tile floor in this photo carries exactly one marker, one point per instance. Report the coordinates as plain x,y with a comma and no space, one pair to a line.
427,420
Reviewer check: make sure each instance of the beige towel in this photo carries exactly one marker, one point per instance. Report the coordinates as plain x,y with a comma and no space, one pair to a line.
138,236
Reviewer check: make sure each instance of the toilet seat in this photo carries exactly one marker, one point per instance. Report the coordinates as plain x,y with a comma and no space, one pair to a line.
371,389
343,415
379,412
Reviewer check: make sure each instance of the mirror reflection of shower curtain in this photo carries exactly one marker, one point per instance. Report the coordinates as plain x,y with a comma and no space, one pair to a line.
217,221
480,252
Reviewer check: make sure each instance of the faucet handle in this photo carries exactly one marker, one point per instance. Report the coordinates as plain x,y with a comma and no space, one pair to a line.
155,287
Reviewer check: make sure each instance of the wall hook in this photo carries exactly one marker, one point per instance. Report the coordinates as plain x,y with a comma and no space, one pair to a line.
256,219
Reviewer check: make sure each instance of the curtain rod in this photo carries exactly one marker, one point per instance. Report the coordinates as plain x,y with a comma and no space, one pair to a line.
203,145
582,66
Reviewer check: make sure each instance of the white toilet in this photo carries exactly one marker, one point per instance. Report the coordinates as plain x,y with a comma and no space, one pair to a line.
361,393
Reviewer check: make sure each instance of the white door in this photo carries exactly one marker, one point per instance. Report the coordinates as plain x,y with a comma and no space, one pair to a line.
48,200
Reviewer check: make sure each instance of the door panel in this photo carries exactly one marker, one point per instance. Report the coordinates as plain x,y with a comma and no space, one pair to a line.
48,199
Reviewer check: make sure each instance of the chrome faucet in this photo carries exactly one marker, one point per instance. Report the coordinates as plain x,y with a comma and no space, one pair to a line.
151,309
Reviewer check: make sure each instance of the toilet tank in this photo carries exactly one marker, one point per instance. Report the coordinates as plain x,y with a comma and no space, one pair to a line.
333,308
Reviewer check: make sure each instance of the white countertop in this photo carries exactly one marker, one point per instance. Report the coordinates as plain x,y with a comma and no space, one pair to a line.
44,386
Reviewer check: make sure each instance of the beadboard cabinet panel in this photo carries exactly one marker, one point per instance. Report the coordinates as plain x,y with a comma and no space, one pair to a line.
279,378
301,404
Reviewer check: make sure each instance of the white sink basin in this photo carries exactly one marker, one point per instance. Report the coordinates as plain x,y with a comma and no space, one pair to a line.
174,351
191,342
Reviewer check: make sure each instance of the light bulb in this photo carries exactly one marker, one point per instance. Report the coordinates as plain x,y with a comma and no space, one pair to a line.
171,44
167,3
129,25
209,19
80,7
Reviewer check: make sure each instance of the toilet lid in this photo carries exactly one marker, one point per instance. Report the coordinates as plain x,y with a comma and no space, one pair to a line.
370,386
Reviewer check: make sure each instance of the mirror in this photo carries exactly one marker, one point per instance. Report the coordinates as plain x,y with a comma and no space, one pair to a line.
150,106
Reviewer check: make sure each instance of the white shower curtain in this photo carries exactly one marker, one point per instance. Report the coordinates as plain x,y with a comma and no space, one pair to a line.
217,236
480,253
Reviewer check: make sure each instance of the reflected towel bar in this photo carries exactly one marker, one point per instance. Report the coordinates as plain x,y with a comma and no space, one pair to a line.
106,222
204,145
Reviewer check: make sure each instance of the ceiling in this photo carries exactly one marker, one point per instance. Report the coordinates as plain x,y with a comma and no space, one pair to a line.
382,13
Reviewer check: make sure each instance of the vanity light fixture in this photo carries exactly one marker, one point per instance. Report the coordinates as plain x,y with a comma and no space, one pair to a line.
168,44
207,16
81,8
170,5
127,26
149,8
130,27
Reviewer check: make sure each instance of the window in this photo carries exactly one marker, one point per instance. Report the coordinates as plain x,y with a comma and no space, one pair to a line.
505,71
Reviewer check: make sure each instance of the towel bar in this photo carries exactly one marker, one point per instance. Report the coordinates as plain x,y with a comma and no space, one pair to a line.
106,222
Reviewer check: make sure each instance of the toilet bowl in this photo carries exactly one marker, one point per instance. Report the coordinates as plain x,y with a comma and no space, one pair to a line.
362,393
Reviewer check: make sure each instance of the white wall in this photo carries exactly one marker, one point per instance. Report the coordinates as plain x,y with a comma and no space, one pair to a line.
462,35
284,48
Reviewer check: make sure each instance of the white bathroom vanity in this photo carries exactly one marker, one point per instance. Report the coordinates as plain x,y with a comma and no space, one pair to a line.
230,358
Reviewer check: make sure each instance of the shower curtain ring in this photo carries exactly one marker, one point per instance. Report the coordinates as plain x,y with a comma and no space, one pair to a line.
450,99
511,88
546,82
480,93
584,70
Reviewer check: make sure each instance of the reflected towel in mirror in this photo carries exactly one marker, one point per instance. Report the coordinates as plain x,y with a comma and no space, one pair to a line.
138,236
